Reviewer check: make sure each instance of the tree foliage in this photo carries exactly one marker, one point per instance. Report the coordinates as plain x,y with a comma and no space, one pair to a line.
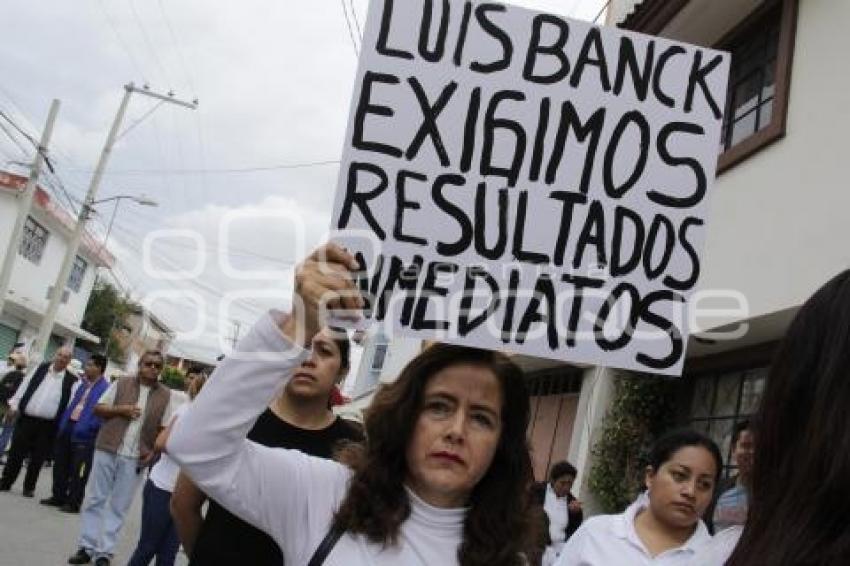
106,313
642,408
173,378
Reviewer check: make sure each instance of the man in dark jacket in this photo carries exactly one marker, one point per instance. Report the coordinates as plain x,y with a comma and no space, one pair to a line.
562,513
39,402
78,428
8,387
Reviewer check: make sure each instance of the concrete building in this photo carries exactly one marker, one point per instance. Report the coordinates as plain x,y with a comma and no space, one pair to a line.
40,253
142,332
777,228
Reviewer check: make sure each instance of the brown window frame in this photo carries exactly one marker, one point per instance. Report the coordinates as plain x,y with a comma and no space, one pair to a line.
744,361
776,128
653,16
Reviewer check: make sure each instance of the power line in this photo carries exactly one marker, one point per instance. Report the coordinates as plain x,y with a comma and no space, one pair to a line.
141,119
31,139
248,305
602,11
283,166
121,41
148,42
15,140
178,49
348,25
356,21
235,252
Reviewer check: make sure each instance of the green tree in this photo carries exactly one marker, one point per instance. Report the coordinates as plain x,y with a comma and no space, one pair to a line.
106,313
642,408
173,378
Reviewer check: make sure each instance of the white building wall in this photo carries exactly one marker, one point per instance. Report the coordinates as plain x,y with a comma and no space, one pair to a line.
778,227
618,10
400,351
30,282
8,212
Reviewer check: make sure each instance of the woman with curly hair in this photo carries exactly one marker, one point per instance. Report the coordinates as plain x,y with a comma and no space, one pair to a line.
445,472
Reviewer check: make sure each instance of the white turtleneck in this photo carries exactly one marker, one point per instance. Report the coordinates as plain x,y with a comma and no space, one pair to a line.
286,493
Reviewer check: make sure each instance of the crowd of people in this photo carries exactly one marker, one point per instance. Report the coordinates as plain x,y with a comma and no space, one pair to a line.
99,435
440,472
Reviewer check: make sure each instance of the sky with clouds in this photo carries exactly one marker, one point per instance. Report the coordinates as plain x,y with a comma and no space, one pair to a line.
245,183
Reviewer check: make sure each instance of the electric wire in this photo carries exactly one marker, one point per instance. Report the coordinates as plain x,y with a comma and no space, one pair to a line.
602,11
178,49
121,41
350,31
149,43
356,21
231,170
141,119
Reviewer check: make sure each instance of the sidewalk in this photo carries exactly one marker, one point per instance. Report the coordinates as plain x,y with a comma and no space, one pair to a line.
36,535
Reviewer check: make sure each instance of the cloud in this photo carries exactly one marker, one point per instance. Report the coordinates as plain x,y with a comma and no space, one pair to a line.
274,80
237,261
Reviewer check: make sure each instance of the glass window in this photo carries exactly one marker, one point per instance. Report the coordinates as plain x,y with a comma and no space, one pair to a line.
749,103
78,271
379,357
34,240
721,400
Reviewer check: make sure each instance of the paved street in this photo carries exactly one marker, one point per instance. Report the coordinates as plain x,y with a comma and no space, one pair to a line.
35,535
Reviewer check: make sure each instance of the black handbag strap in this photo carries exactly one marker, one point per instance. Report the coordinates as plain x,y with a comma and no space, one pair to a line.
325,547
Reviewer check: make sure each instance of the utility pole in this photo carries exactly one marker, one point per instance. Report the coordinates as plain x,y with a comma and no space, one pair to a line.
46,328
25,203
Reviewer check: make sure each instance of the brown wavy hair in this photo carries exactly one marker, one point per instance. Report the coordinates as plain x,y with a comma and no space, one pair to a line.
497,524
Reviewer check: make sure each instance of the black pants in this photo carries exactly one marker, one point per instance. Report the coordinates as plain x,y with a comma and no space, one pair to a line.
71,466
33,437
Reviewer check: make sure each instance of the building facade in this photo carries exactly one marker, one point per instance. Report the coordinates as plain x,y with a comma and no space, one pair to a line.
142,332
39,257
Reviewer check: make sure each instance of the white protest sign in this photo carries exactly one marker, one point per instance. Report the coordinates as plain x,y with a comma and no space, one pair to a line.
516,180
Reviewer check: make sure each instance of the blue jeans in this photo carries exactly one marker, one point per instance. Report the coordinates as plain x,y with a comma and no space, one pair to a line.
159,534
5,437
113,483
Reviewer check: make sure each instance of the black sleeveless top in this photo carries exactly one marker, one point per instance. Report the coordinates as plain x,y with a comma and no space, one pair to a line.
225,539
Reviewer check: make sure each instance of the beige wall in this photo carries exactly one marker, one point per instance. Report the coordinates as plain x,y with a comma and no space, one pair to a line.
779,221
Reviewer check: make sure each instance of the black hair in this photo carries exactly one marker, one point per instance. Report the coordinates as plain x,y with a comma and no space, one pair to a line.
562,469
740,427
671,442
99,360
496,525
800,496
340,338
156,353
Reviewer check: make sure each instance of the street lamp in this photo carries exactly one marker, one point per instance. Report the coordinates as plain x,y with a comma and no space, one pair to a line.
142,199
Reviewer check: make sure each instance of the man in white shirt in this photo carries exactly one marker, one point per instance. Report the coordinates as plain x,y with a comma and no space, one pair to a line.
37,404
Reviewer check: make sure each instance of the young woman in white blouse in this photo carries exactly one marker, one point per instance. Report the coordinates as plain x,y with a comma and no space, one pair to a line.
158,536
664,525
446,467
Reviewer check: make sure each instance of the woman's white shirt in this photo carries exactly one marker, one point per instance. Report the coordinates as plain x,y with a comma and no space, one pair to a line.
608,540
286,493
558,513
165,471
719,549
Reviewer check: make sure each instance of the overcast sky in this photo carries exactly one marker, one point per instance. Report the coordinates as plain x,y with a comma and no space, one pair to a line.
273,80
